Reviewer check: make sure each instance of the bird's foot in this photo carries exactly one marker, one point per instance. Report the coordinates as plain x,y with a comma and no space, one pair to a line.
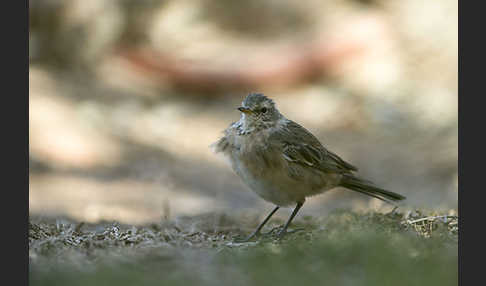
248,238
281,231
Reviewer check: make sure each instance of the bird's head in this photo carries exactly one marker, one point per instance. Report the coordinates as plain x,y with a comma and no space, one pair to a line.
259,110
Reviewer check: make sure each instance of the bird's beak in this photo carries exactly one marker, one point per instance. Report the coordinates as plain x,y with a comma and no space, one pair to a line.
245,110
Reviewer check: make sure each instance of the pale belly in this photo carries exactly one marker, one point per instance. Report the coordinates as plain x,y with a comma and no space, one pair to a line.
262,167
275,185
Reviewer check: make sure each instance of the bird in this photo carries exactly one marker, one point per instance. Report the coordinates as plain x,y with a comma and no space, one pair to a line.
283,162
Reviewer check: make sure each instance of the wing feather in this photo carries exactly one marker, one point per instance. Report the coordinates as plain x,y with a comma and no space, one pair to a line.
301,147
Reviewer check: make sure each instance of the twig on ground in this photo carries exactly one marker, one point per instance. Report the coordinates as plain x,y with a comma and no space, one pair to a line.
430,218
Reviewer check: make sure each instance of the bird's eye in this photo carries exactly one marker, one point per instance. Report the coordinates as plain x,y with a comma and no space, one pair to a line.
263,110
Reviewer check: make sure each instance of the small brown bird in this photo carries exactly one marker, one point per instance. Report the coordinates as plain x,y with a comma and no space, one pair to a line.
283,162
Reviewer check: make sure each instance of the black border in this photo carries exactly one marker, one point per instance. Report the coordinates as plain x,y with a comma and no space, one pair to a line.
471,120
15,140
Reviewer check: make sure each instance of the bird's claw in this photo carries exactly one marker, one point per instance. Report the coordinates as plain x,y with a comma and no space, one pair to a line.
248,238
280,234
283,231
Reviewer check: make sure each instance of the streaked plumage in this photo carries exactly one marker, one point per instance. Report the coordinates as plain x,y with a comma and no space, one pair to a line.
283,162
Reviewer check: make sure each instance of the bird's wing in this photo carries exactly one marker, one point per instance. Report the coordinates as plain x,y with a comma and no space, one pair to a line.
301,147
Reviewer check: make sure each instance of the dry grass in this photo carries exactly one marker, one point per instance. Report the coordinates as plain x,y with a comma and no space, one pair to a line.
345,248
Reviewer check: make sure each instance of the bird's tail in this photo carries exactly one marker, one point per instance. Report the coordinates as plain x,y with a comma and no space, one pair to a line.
354,183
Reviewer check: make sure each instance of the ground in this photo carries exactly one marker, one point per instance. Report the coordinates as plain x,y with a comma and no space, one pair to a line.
342,248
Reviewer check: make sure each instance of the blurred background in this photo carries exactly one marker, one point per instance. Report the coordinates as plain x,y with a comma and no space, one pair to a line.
125,98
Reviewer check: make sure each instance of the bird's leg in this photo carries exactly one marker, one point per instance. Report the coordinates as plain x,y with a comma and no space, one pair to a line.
281,233
259,228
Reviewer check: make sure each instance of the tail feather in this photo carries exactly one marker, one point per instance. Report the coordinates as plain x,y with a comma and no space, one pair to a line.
366,187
